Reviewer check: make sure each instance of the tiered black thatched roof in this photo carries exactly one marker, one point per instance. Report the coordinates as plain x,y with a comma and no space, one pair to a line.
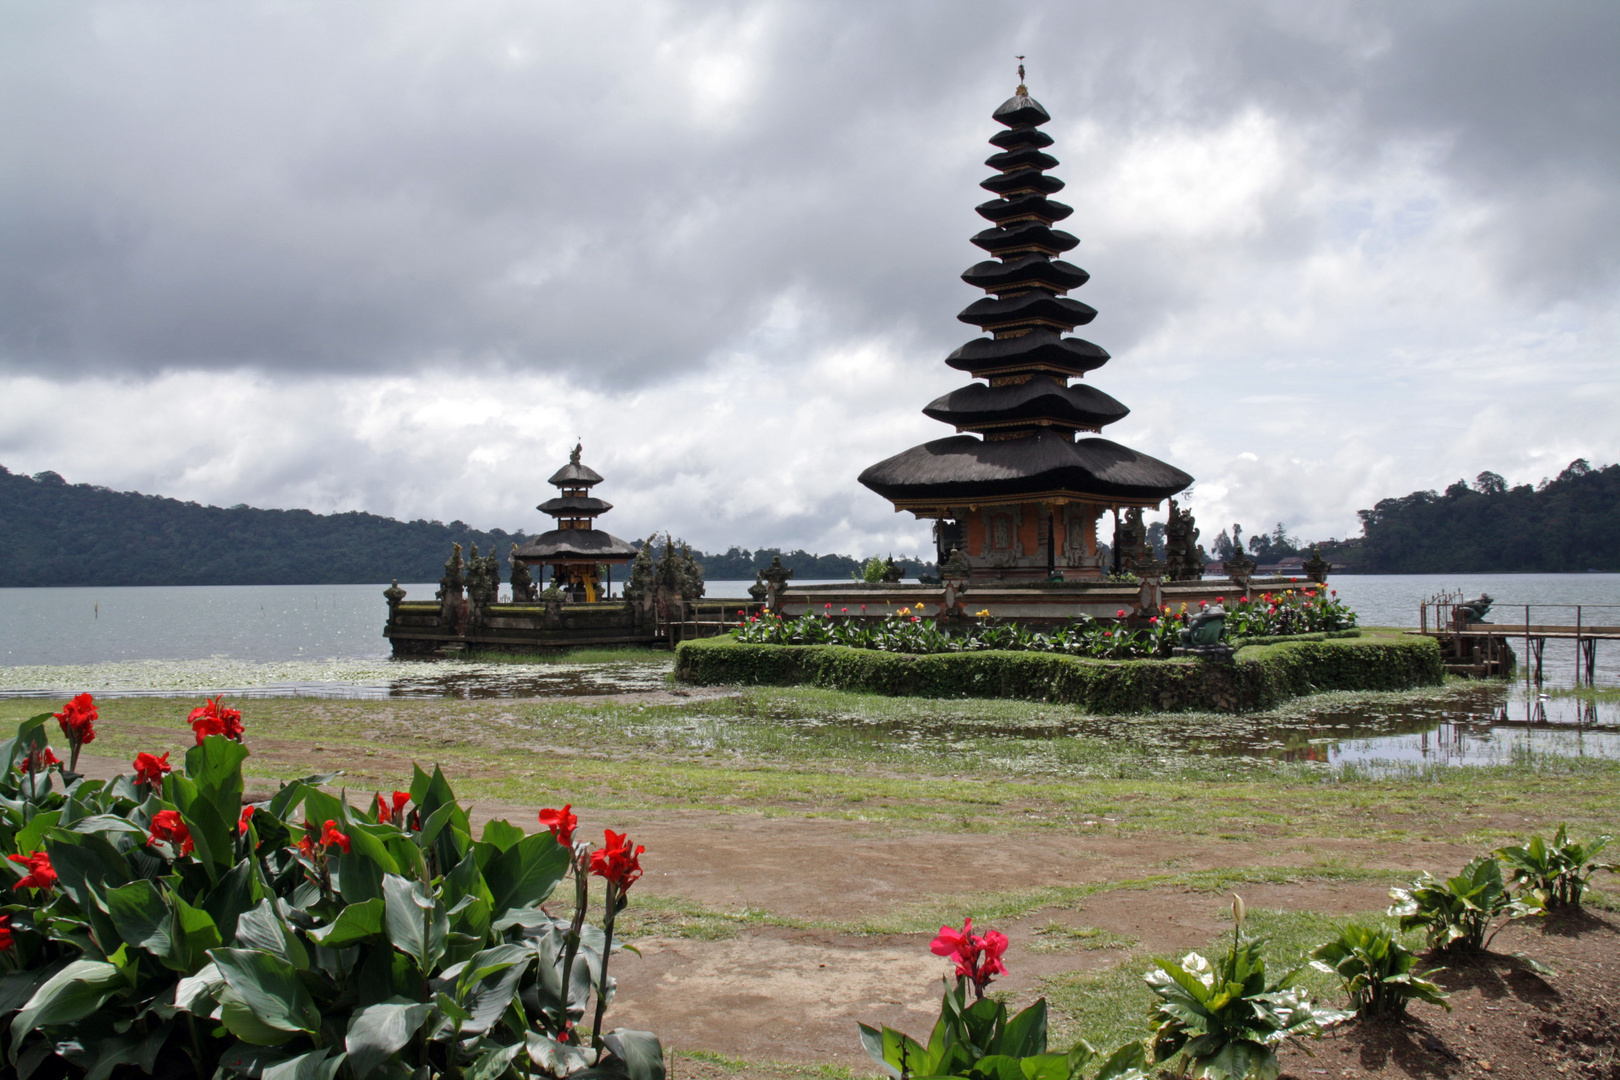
1029,415
575,539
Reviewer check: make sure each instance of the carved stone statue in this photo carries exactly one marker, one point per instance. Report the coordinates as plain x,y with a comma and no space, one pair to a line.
1202,636
775,576
1317,568
892,571
1472,611
1182,561
957,565
393,594
1239,567
643,581
523,586
452,600
1133,546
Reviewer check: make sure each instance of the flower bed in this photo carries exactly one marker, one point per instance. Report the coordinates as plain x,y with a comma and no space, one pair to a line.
1308,610
1259,678
154,925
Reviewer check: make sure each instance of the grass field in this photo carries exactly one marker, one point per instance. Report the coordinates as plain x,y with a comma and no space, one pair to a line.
1213,802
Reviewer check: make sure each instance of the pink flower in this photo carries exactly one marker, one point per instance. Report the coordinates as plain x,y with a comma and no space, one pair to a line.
1120,613
976,958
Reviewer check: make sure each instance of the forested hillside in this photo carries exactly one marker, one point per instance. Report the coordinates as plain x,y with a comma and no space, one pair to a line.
1568,524
56,533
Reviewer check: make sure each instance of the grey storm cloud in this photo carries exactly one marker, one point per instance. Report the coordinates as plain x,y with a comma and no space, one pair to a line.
623,193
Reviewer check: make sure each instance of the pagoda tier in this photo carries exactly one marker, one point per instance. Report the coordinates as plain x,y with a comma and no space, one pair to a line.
1035,399
576,550
1023,500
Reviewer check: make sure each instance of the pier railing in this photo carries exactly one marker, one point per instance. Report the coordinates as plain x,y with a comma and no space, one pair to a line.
1584,624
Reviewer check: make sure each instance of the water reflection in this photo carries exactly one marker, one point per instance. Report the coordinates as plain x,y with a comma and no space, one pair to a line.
1481,724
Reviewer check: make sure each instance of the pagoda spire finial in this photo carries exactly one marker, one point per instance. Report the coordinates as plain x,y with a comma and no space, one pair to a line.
1023,91
573,458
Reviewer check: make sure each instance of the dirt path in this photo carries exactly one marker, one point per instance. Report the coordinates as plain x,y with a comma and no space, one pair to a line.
793,993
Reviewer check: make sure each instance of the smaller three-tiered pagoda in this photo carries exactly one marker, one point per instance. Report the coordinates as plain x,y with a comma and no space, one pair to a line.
577,551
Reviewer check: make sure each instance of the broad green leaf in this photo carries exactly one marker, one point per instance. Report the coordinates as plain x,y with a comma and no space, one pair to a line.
377,1032
1025,1035
79,858
17,987
240,1020
196,993
105,824
215,766
71,994
143,919
354,924
261,928
237,892
486,988
560,1058
315,1065
359,877
369,840
640,1051
270,987
502,834
194,934
493,1065
1046,1067
31,837
417,923
525,874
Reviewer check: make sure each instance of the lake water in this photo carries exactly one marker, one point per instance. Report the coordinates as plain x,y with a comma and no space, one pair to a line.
326,640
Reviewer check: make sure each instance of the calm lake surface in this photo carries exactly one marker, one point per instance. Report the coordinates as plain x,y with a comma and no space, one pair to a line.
326,641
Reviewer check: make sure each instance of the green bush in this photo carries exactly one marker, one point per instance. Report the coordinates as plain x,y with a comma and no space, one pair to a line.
155,925
1457,913
1225,1020
1556,874
1378,972
1260,677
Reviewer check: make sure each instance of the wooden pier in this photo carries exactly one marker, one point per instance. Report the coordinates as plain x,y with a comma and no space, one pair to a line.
1484,649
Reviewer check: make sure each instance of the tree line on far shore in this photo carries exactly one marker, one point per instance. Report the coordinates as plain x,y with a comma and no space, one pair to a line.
56,533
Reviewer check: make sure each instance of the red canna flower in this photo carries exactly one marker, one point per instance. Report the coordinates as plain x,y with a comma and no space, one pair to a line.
1120,613
247,816
169,828
216,719
150,770
38,760
5,933
330,838
306,843
394,813
78,720
1153,621
977,958
617,862
562,823
41,875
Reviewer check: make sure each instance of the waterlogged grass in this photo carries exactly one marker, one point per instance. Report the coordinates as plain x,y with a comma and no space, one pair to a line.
1109,1007
962,765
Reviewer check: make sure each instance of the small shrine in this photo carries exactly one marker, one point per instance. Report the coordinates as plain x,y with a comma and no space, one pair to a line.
576,551
1020,488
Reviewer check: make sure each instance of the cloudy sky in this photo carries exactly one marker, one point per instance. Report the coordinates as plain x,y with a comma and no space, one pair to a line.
398,256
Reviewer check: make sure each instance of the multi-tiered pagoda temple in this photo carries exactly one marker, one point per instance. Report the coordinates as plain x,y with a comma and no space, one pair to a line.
1022,494
576,550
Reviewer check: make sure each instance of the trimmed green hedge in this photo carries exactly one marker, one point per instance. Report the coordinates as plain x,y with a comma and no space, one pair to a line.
1259,678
